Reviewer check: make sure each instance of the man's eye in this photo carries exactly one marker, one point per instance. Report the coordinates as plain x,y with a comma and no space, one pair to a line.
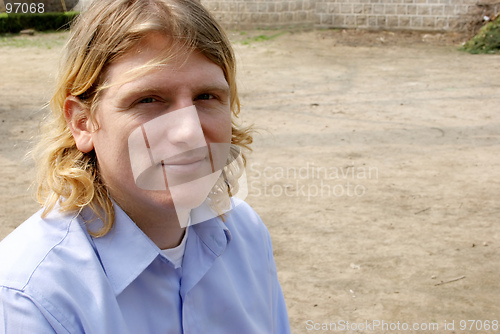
148,100
205,97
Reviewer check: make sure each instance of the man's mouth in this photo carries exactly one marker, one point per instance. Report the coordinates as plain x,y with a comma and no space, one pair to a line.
185,165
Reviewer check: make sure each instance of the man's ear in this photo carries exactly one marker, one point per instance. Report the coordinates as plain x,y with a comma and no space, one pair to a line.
79,123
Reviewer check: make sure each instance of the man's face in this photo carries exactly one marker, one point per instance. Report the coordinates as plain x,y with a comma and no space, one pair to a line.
183,104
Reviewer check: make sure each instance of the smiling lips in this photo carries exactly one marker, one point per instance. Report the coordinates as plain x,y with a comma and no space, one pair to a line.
184,165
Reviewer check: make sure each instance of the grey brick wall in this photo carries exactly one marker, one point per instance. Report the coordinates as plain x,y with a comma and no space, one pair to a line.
441,15
428,15
244,14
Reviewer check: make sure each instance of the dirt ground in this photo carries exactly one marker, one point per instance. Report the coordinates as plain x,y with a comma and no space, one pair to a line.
376,168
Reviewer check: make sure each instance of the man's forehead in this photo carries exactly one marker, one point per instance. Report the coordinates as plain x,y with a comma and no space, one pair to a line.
154,57
163,78
154,50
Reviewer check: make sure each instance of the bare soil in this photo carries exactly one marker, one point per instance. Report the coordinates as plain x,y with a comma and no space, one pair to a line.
376,168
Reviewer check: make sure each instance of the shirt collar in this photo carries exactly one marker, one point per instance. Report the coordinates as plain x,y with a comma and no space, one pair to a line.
125,252
209,227
214,234
206,242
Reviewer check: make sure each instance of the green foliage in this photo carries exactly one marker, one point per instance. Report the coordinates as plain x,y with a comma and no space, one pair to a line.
44,40
487,40
14,23
262,38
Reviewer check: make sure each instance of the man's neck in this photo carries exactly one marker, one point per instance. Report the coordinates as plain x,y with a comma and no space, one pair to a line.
162,225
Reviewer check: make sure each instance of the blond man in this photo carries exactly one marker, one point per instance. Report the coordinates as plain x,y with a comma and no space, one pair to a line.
139,166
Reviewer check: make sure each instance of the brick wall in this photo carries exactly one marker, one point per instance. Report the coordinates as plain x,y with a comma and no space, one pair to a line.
244,14
429,15
442,15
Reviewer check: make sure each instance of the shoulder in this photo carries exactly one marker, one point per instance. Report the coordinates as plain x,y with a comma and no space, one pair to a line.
243,216
35,243
246,226
242,208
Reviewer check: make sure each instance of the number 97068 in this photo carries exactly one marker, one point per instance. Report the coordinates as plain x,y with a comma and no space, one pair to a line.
24,8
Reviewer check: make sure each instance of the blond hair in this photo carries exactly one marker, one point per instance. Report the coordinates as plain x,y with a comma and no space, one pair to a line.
106,31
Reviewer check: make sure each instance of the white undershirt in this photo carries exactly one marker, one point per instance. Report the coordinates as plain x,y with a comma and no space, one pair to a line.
176,254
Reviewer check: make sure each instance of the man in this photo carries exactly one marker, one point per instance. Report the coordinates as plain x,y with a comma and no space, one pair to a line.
138,165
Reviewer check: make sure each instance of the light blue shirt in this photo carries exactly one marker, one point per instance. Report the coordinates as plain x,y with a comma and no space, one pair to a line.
55,277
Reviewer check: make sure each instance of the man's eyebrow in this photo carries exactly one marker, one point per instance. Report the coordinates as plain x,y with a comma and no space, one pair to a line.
127,93
133,88
220,87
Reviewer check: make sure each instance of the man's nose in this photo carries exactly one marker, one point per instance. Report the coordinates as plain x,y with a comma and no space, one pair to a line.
185,128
